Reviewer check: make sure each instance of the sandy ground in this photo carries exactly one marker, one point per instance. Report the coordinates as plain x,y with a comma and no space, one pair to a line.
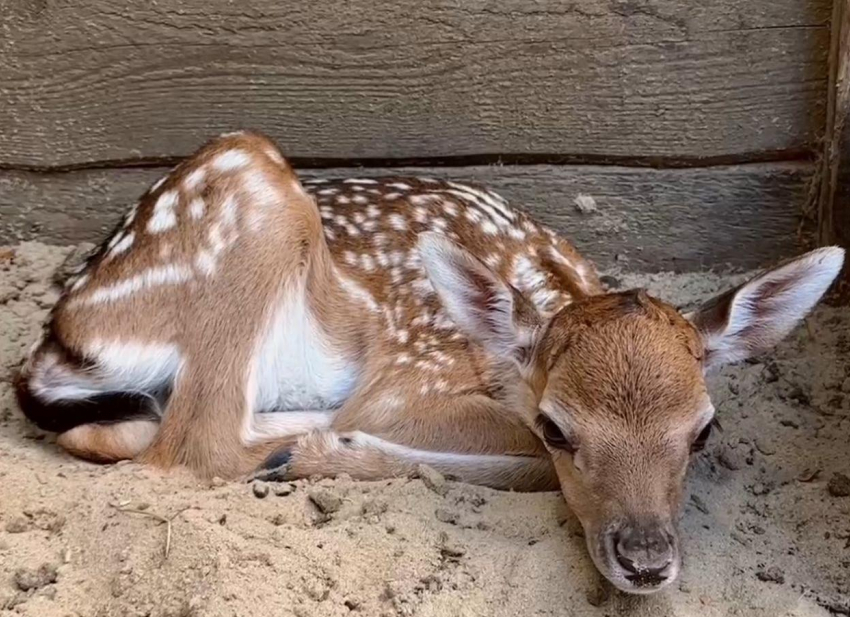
766,526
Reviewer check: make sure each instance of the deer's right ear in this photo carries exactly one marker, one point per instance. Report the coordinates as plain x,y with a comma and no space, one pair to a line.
484,306
754,317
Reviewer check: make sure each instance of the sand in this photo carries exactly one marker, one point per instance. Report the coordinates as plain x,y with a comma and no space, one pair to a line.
765,528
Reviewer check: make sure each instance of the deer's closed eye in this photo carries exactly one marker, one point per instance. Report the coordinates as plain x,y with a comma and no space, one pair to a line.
699,443
554,436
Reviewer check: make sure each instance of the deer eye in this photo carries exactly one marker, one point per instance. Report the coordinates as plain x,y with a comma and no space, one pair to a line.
554,436
702,438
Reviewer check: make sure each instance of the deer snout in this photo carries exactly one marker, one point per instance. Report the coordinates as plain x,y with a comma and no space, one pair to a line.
646,552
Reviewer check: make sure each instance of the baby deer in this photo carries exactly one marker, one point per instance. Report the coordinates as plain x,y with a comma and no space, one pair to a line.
239,319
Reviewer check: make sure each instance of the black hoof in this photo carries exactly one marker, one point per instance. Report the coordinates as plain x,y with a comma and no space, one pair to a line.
275,468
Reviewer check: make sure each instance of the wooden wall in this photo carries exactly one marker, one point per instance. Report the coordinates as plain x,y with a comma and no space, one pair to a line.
692,125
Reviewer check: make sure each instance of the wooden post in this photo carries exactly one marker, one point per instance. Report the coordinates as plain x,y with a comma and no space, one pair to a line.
834,176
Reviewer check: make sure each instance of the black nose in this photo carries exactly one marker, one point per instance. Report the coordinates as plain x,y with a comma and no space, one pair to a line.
644,550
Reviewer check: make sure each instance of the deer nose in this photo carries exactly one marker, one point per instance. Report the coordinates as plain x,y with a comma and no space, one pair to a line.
645,551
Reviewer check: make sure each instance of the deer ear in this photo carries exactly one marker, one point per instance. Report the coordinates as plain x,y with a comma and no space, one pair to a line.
757,315
484,306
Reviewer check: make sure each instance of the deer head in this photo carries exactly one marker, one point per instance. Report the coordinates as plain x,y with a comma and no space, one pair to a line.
617,389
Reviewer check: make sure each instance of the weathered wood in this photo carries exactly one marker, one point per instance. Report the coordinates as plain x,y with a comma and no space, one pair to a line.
110,80
833,175
743,216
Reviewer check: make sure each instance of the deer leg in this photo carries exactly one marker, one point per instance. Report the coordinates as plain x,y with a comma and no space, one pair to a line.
366,457
108,443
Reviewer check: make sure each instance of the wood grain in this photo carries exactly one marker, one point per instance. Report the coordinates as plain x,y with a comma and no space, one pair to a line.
86,81
639,219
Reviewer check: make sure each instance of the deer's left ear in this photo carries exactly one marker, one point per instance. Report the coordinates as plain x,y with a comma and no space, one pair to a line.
484,306
754,317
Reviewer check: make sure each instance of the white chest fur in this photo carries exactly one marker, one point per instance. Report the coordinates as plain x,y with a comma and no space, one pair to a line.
296,367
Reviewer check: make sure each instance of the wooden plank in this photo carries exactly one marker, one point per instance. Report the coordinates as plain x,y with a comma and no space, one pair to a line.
745,216
834,173
109,80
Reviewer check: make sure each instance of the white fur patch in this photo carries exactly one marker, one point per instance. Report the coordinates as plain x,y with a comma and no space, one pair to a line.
194,179
53,381
197,207
157,184
78,284
231,160
152,277
228,210
205,262
163,217
397,221
124,245
272,425
296,367
132,366
357,292
127,366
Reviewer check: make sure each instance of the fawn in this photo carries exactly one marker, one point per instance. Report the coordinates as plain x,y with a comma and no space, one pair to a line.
238,319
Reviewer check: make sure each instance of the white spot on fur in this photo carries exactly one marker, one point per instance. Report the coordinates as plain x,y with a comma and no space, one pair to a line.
228,210
420,214
397,221
114,240
494,260
152,277
275,156
78,284
131,216
125,243
157,184
197,207
516,233
489,228
163,217
422,200
439,223
205,262
231,160
473,215
194,179
357,292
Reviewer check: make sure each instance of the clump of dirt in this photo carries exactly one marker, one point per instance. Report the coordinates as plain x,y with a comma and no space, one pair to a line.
766,524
